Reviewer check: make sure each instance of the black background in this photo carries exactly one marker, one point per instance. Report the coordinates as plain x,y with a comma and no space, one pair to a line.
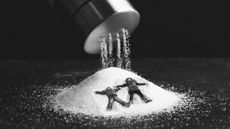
197,28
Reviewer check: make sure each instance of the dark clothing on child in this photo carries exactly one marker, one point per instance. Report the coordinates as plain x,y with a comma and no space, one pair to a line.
132,86
138,92
111,101
109,92
134,89
112,96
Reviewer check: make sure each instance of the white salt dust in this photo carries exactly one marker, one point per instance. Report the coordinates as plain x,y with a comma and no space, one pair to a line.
81,98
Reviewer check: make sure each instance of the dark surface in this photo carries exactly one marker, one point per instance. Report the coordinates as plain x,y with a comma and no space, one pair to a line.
32,29
25,85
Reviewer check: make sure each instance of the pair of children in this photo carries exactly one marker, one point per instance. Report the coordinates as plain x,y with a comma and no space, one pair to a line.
132,89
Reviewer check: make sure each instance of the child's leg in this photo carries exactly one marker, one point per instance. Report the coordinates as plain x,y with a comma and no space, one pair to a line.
131,97
143,97
123,103
110,104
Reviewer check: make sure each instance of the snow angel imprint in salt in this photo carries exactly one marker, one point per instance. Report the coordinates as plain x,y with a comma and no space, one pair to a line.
133,89
112,96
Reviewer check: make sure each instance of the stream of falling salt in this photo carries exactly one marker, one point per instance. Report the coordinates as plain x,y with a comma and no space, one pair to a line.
110,50
119,57
104,53
126,48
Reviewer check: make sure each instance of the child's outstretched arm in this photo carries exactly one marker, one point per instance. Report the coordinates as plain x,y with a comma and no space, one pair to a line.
100,92
117,89
123,85
141,84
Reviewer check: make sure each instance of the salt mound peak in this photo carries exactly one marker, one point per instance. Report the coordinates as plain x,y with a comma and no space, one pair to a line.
81,98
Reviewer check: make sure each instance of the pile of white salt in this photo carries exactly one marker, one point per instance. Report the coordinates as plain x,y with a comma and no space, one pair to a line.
82,98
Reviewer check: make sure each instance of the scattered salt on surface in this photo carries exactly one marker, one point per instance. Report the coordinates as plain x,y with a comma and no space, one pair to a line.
82,99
